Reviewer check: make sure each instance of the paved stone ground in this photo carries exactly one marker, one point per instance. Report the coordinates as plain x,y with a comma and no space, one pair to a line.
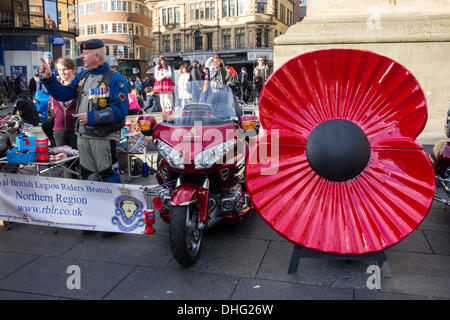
238,262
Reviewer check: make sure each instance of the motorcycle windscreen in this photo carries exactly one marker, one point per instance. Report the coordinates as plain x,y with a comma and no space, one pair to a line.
338,169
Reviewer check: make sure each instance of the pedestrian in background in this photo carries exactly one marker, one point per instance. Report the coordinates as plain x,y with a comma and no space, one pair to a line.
152,101
260,75
244,84
145,84
232,80
41,97
182,86
10,89
25,108
164,85
218,78
195,72
2,90
138,84
32,84
134,107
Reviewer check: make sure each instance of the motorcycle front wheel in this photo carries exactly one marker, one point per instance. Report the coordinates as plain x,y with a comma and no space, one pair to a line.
185,236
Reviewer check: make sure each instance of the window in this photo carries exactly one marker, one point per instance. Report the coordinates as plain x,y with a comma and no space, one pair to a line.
198,41
177,15
209,41
276,9
21,19
72,16
62,15
36,14
262,38
121,51
202,10
104,6
164,16
107,50
91,29
89,8
170,15
261,6
239,37
232,8
242,6
104,28
177,42
226,38
50,16
225,8
166,43
6,17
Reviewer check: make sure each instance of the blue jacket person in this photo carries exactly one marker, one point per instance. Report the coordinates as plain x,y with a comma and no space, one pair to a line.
102,105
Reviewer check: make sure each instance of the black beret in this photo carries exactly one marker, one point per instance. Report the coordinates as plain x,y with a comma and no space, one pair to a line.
91,44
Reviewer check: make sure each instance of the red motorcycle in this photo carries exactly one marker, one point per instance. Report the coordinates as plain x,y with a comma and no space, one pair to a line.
440,157
202,151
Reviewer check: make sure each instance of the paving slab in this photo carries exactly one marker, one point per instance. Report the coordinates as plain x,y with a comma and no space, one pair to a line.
418,274
38,240
259,289
229,256
10,262
48,276
380,295
147,283
12,295
139,250
439,241
414,242
253,227
319,272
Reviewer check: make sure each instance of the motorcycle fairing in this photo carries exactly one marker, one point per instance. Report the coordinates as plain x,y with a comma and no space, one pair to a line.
187,193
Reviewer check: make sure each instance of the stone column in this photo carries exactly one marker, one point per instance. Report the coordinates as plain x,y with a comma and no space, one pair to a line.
420,41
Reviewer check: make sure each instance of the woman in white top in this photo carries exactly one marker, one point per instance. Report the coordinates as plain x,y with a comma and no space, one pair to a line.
183,80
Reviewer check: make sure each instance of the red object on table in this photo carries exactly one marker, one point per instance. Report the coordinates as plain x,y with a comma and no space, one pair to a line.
41,149
302,191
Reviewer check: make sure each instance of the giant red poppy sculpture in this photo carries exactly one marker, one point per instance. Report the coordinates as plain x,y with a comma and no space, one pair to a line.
344,173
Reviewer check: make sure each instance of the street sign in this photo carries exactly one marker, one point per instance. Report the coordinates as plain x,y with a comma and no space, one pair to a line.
58,41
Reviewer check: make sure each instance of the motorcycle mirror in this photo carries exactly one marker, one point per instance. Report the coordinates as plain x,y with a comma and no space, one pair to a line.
147,124
249,122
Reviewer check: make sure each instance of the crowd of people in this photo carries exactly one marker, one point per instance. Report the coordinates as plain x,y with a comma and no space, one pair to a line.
160,93
87,110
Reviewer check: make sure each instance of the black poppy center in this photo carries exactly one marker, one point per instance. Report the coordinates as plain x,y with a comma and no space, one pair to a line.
338,150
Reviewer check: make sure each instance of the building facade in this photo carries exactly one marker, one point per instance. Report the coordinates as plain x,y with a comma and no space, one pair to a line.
238,30
27,28
124,27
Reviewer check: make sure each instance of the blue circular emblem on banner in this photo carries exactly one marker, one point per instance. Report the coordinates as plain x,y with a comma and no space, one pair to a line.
58,41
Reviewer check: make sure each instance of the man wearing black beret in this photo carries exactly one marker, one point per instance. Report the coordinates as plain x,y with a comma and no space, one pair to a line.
102,105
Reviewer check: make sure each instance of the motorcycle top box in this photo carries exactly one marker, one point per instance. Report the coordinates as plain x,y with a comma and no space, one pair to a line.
202,149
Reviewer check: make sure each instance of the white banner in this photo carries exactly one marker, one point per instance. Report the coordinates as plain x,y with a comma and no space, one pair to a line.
73,204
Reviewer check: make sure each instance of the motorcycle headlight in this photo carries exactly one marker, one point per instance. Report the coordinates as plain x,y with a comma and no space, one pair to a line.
208,157
173,156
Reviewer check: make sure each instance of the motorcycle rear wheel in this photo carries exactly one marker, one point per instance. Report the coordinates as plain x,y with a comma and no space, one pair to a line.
185,236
